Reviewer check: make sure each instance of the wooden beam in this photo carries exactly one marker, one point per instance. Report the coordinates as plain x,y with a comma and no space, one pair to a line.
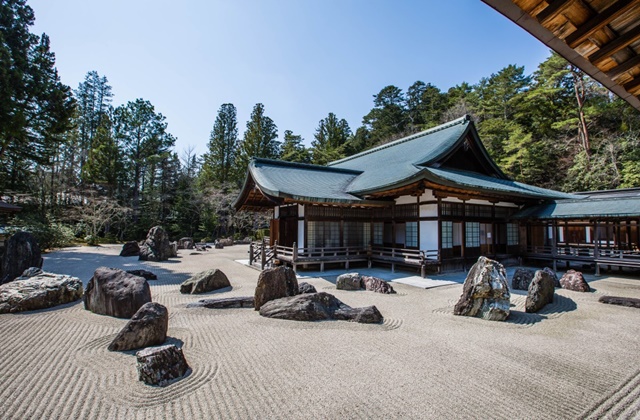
614,46
624,67
633,86
599,21
554,8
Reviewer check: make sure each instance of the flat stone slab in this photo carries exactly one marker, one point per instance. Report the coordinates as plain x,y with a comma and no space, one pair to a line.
622,301
224,303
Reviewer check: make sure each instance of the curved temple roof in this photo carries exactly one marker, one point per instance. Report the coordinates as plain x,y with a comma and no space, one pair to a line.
421,157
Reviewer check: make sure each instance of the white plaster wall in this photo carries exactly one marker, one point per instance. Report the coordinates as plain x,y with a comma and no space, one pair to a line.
506,204
428,210
276,212
300,210
427,196
406,199
428,235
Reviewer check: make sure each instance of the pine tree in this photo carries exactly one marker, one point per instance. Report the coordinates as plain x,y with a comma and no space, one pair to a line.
142,134
388,119
293,150
330,141
260,140
219,161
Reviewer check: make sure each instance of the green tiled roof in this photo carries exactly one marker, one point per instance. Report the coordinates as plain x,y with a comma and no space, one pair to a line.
392,165
303,182
403,159
587,208
487,183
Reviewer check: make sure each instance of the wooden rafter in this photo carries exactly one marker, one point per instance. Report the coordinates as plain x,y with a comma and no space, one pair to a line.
599,21
598,36
614,46
624,67
633,86
554,8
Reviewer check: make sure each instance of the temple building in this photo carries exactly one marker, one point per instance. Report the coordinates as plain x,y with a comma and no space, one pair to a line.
432,199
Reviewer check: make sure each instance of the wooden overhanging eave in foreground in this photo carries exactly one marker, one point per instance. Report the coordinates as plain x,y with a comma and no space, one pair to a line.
602,38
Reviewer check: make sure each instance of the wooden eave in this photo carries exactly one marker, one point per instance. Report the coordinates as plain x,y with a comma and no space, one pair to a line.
443,191
601,37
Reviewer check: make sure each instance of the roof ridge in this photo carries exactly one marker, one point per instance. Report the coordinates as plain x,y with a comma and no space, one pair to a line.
305,165
463,119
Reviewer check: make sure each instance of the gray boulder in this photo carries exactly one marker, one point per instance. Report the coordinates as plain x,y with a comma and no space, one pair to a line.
375,284
186,243
540,293
305,287
204,282
225,242
157,246
349,281
275,283
574,280
161,365
148,275
224,303
116,293
485,293
44,290
554,276
147,327
30,272
318,307
130,249
22,251
522,279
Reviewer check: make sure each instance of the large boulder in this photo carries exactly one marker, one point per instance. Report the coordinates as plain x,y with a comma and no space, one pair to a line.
225,242
43,290
375,284
540,292
147,327
186,243
22,251
157,246
130,249
275,283
574,280
204,282
485,293
223,303
554,276
349,281
148,275
318,307
522,279
116,293
160,365
305,287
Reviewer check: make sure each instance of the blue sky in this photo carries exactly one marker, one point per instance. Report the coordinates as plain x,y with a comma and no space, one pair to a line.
301,58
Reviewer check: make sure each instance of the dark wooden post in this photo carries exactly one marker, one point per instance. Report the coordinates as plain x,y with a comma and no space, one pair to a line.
263,255
294,257
596,247
251,253
554,244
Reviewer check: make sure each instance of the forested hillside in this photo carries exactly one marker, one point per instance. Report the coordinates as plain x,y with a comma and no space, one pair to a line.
82,168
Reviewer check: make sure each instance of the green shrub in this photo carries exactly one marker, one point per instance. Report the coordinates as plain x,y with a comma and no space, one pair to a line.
49,233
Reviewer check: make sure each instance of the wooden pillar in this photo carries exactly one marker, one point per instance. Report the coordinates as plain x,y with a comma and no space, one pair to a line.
554,243
263,255
251,253
596,247
463,245
439,211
